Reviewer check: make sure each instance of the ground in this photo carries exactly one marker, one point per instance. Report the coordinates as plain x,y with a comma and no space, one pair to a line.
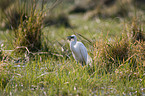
48,75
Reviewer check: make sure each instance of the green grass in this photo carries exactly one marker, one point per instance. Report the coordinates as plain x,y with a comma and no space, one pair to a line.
65,77
48,76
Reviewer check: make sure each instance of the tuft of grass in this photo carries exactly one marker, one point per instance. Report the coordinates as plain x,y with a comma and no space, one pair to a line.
12,15
126,49
29,33
137,31
108,8
112,53
116,9
57,20
5,3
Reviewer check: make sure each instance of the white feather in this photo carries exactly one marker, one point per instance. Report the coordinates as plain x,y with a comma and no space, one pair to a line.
79,51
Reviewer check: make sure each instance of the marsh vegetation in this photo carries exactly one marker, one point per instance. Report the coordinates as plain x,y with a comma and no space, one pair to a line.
35,57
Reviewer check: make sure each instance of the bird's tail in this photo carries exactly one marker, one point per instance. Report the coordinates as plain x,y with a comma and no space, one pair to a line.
89,60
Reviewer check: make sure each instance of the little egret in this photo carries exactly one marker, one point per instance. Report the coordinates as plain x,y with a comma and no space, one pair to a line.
79,51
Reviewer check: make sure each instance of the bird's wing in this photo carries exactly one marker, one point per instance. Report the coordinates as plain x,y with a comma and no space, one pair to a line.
83,52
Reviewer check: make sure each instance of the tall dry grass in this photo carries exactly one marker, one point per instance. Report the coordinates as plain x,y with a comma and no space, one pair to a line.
11,15
108,8
128,49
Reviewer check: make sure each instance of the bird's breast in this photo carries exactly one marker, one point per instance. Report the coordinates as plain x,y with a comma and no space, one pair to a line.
76,53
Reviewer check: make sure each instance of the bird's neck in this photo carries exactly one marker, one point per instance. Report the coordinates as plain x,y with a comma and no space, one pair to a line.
72,43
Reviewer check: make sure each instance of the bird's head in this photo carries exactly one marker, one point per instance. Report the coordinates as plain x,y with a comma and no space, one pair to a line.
72,37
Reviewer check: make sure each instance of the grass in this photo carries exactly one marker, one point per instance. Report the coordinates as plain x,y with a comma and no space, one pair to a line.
51,76
65,78
48,75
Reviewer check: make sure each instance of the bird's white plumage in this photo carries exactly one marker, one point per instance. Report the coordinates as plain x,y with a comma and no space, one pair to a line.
78,49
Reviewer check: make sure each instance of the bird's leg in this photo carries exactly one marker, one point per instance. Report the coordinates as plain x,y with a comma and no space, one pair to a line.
77,62
82,63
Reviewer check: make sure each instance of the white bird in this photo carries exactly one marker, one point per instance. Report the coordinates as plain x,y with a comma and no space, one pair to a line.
79,51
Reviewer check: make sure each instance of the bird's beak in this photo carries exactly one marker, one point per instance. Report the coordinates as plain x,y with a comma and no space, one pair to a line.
69,38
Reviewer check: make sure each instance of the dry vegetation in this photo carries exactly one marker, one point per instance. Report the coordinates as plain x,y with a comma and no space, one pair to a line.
57,20
129,48
108,8
45,65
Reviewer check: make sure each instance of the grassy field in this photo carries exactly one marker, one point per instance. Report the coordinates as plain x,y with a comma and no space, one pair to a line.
60,75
